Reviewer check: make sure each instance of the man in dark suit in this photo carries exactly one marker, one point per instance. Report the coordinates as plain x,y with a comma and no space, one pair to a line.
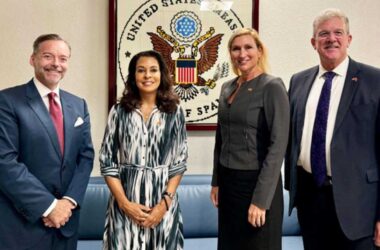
333,158
46,155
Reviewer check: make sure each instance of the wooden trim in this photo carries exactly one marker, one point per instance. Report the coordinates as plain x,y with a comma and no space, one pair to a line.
112,49
112,32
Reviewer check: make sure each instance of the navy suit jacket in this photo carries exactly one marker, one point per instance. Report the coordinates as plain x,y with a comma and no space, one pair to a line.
32,169
355,148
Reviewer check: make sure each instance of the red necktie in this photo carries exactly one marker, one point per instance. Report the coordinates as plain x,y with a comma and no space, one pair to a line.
57,117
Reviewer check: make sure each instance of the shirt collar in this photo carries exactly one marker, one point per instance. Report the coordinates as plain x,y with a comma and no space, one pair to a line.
43,90
340,70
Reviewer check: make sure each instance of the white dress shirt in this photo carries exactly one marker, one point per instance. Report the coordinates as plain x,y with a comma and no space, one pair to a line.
44,91
311,108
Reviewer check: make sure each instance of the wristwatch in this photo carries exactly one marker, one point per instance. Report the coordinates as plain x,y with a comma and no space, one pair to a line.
170,195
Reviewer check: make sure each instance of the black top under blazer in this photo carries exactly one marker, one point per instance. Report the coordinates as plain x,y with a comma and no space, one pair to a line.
252,132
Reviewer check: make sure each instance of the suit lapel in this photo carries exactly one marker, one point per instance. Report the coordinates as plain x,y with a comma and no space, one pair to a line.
307,83
230,88
39,108
68,118
350,85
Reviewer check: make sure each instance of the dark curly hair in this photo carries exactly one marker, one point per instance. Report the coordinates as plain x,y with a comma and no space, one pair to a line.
166,100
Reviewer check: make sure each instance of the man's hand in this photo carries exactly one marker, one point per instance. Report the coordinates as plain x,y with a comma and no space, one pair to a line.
376,237
60,214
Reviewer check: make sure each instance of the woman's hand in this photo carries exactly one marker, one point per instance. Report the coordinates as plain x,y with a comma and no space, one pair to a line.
214,196
256,216
137,212
156,215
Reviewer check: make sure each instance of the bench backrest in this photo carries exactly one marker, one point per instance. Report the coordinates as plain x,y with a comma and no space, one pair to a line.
199,215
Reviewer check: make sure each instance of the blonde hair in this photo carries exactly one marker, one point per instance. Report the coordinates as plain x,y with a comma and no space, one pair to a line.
263,60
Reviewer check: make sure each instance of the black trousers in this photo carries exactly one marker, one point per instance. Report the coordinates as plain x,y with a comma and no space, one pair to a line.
235,232
54,240
317,216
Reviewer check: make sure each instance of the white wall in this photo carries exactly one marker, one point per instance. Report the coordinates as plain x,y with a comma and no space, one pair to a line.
84,23
285,27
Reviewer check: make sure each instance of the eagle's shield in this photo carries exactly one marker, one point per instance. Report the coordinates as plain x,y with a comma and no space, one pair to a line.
186,71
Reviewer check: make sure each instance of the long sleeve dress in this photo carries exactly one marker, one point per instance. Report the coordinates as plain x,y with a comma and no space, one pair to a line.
144,156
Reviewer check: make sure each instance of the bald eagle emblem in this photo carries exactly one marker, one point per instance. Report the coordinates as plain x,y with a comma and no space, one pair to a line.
189,55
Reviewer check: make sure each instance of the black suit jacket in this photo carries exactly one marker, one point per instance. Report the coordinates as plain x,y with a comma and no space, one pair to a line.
355,148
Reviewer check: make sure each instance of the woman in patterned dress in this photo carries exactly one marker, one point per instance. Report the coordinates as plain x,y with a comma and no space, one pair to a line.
142,158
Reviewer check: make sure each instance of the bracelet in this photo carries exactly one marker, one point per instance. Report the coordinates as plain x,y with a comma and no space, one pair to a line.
166,204
170,195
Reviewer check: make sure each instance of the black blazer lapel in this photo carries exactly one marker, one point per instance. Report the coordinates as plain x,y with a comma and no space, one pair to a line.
229,88
350,85
39,108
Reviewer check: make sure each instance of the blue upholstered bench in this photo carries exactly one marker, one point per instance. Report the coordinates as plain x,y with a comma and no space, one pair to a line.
199,216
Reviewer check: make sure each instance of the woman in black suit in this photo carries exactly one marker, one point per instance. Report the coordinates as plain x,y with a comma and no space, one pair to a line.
251,139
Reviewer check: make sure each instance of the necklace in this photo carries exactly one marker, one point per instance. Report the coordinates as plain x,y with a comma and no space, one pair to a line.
146,113
146,110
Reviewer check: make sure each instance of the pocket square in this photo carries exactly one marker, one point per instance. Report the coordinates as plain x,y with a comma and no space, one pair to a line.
78,122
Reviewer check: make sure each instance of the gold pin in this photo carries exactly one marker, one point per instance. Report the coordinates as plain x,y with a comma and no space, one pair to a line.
250,89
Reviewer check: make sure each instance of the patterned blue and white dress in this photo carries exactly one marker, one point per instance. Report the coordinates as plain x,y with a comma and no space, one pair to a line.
144,156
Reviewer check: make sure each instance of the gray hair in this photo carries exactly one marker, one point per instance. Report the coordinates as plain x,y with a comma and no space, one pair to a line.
328,14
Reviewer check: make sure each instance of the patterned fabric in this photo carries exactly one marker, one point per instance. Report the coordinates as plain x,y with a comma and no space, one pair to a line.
144,156
318,143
